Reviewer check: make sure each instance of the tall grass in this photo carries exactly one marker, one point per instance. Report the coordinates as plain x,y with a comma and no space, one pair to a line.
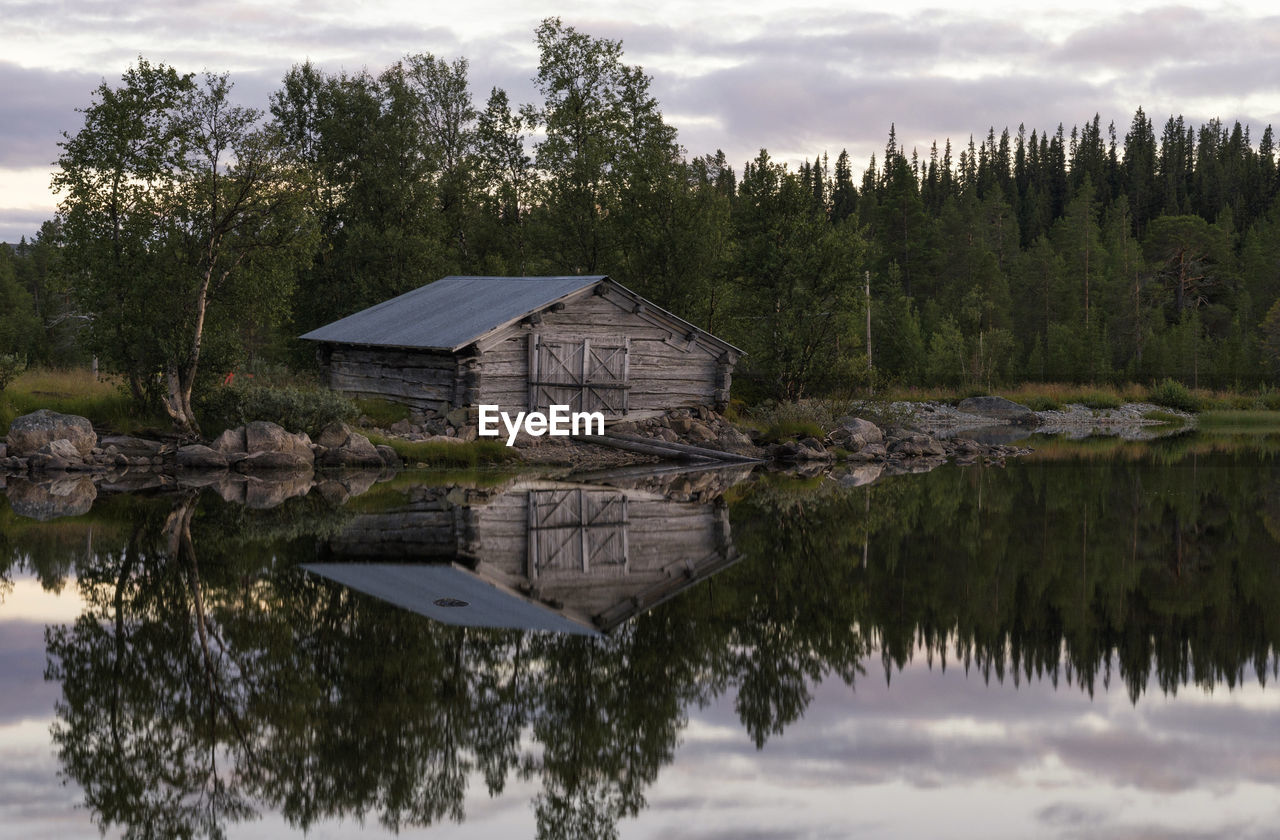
103,401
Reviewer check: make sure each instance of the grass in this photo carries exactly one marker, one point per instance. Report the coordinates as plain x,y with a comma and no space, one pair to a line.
433,454
1164,417
383,413
102,401
1255,420
792,430
1047,396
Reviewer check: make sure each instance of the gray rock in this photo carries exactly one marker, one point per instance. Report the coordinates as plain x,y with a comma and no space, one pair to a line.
390,457
999,408
255,461
198,457
857,433
334,435
916,445
45,500
31,431
232,440
354,451
130,447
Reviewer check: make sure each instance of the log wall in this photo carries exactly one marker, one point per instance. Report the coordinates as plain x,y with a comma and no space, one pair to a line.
422,379
666,369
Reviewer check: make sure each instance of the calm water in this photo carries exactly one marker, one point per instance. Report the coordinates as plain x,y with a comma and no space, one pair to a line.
1080,644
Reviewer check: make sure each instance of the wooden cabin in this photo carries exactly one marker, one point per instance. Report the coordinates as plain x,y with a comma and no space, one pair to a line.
538,555
525,343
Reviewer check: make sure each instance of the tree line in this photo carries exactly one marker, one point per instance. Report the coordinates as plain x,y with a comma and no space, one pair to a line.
195,234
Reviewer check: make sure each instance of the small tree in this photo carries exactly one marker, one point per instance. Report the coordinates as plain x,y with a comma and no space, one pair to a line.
179,210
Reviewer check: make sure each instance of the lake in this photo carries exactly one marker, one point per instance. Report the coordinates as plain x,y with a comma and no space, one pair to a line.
1081,643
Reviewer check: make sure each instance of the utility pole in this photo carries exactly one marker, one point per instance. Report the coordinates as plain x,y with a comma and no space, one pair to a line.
867,289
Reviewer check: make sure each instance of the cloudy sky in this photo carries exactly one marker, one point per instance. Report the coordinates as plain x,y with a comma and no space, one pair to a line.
797,79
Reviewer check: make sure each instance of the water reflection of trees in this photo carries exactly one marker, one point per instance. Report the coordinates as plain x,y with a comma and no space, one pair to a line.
209,677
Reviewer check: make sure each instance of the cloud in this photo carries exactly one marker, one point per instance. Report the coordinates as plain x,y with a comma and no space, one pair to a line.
37,106
24,695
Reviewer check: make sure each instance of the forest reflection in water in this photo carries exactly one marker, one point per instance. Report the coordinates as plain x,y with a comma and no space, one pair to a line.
211,678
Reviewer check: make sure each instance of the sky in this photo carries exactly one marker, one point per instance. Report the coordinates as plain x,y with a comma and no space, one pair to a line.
737,75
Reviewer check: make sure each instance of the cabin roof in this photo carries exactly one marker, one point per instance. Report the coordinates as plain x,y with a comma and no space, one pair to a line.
457,310
451,595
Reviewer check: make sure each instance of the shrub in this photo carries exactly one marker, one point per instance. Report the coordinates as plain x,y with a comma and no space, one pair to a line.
11,367
1173,394
296,409
792,430
382,412
1100,399
1041,402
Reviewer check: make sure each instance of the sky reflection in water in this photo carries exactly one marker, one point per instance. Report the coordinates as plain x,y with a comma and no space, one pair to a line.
323,706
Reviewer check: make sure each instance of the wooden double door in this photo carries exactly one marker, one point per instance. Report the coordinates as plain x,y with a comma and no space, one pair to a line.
586,374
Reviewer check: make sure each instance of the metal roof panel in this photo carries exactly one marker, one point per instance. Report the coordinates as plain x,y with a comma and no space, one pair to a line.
451,312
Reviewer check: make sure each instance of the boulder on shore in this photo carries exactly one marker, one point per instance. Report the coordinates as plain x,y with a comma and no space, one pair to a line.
197,457
854,433
998,408
31,431
339,446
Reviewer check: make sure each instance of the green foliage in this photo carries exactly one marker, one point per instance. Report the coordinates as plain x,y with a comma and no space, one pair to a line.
11,367
382,412
1041,402
1100,400
104,402
297,409
1173,394
1165,417
792,430
181,214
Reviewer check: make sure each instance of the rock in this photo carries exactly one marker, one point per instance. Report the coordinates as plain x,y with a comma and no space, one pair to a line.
796,451
999,408
681,425
857,433
271,447
198,457
401,427
232,440
459,417
68,496
354,451
333,435
4,450
390,457
130,447
916,445
699,433
31,431
273,461
56,456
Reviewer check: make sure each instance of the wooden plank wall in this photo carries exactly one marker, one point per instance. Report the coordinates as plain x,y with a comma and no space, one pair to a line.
664,539
666,370
420,378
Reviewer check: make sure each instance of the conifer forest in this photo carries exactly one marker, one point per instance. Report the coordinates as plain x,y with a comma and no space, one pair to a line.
194,228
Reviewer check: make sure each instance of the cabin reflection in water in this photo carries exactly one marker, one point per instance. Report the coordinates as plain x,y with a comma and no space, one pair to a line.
538,555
